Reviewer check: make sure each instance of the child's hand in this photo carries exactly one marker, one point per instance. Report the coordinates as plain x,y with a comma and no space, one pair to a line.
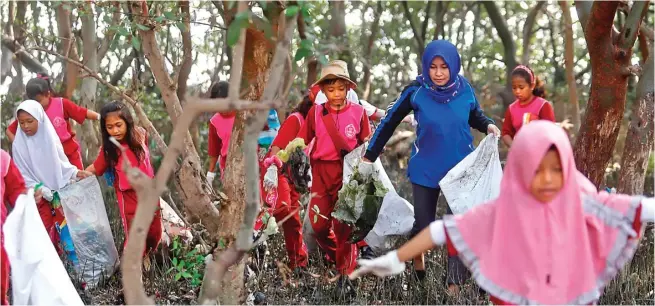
83,174
386,265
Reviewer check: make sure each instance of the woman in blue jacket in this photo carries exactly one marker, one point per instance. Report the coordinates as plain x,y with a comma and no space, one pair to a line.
445,108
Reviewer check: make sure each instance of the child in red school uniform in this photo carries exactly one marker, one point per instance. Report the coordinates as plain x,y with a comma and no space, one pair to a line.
530,104
41,160
59,111
338,127
220,129
116,121
287,197
549,237
11,186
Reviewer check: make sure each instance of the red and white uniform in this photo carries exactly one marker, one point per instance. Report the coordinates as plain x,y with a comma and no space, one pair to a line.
126,196
327,177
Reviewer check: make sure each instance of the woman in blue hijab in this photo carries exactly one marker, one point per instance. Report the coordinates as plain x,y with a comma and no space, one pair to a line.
445,108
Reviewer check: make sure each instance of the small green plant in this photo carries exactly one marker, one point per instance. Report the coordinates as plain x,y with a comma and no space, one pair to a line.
187,264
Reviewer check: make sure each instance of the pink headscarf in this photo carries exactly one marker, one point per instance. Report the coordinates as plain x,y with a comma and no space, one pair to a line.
523,251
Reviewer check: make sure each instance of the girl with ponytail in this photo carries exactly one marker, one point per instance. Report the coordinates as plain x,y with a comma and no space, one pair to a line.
530,103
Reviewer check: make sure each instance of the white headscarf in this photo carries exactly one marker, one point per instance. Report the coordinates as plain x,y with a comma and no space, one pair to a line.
351,96
41,158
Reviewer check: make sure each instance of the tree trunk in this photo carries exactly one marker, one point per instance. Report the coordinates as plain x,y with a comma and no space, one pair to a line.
568,62
509,55
375,26
610,59
90,142
67,48
257,59
442,8
6,58
639,141
185,69
338,31
527,31
196,195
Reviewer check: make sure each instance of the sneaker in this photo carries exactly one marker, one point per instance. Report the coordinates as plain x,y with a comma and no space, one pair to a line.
366,252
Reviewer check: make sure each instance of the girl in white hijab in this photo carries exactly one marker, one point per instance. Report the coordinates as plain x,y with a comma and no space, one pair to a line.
40,158
37,151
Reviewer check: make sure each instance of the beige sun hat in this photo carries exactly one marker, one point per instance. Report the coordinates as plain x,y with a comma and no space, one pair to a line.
336,69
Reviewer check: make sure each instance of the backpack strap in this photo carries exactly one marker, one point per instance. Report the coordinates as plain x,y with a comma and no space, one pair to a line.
338,141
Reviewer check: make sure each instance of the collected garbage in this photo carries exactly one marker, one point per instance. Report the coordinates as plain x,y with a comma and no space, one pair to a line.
90,231
476,179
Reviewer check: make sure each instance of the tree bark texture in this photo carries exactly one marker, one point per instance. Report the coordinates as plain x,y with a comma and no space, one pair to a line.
257,57
69,49
569,53
195,193
600,127
509,55
90,142
639,141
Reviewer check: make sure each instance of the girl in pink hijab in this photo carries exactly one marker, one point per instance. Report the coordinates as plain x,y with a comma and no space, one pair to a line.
549,238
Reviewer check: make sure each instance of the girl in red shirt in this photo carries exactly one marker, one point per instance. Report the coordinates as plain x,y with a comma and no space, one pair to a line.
117,122
549,237
338,126
529,105
288,197
59,111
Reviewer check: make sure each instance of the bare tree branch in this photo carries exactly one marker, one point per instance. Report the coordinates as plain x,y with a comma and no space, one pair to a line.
375,26
69,49
187,58
569,64
125,64
583,9
441,9
633,23
161,145
417,35
25,58
426,20
109,35
527,30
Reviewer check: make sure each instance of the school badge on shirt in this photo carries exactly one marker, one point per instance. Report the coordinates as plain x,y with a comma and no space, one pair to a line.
350,131
527,117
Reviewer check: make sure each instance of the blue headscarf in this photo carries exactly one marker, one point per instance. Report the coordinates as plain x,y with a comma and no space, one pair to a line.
457,83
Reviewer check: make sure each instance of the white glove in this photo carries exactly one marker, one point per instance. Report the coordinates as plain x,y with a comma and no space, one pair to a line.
386,265
47,193
365,168
270,178
492,129
210,177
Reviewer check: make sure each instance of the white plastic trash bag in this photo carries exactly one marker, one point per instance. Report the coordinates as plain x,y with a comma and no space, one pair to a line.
38,276
352,159
174,226
89,227
395,219
476,179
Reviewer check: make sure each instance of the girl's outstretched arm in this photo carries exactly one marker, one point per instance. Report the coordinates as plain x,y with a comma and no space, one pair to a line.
394,262
91,115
